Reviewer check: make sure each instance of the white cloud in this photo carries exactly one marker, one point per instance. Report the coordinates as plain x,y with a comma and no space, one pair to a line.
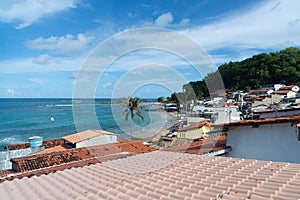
42,59
164,20
27,65
269,25
167,20
64,45
11,92
26,12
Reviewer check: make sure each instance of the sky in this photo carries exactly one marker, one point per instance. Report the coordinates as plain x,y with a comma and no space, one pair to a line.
48,46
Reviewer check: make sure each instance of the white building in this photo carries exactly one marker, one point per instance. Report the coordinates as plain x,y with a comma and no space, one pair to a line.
91,138
275,139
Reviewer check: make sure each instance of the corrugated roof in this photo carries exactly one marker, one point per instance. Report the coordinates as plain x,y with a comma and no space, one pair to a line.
165,176
84,135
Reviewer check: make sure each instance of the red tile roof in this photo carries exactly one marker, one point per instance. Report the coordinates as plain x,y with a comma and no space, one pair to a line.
165,176
195,125
10,174
38,161
46,144
88,134
201,147
282,92
54,149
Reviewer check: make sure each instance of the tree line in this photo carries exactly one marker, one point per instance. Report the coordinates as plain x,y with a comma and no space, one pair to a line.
259,71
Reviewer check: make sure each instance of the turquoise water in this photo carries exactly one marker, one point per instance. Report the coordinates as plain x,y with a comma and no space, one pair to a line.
22,118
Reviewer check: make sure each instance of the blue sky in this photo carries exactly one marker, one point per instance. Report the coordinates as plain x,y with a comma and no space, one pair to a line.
45,43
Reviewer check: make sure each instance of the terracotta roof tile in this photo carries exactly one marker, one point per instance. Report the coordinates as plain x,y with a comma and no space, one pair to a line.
163,175
77,137
201,147
54,149
46,144
54,158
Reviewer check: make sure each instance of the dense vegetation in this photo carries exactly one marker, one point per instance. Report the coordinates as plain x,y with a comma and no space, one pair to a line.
252,73
263,69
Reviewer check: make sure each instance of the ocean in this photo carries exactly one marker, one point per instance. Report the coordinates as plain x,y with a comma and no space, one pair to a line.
53,118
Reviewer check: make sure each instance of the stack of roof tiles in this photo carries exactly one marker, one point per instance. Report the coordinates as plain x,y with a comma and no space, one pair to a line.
163,175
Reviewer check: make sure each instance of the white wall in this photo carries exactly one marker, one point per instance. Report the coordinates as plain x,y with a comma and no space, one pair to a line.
275,142
99,140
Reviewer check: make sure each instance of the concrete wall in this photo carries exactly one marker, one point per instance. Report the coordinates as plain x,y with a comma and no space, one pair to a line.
5,157
99,140
193,133
275,142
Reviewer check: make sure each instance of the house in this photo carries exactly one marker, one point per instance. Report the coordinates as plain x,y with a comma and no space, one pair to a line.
163,175
194,131
275,139
90,138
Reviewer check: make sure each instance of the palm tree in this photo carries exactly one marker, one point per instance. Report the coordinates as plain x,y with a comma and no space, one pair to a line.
132,109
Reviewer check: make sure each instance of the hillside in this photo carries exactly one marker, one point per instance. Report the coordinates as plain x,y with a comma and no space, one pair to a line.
252,73
263,69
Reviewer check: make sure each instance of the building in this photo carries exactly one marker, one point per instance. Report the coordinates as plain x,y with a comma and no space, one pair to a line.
90,138
163,175
194,131
275,139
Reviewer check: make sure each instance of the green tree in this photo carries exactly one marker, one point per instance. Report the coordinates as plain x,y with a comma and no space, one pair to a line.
160,99
133,108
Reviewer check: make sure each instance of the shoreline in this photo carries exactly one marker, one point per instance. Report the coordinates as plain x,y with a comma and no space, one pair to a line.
156,137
